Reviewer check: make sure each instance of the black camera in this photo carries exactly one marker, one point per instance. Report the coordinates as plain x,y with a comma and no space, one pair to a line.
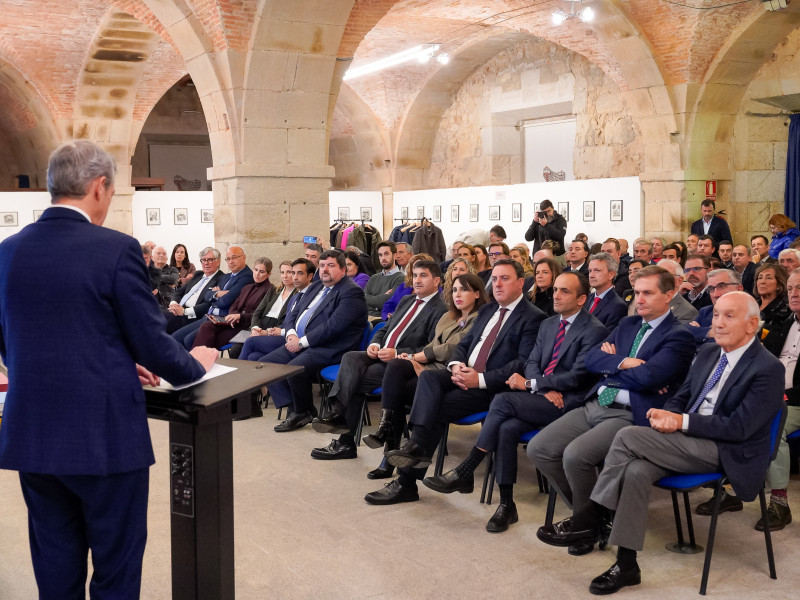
541,214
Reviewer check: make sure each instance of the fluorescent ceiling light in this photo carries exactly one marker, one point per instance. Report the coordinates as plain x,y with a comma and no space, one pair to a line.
421,53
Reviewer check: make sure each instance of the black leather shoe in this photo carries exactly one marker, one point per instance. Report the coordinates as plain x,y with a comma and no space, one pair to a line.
604,529
410,455
502,518
294,421
334,451
450,482
333,423
385,430
614,580
393,493
728,504
580,548
381,472
778,517
562,534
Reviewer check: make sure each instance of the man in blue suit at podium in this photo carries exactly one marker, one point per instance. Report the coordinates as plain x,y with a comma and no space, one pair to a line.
75,425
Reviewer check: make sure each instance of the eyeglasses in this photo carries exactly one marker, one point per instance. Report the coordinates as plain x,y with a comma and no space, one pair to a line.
719,286
694,269
495,254
230,258
207,261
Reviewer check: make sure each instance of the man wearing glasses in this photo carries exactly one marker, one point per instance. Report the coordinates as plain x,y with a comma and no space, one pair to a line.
192,300
694,288
720,282
221,296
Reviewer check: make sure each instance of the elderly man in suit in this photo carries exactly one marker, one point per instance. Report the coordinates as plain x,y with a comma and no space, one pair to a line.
328,321
75,425
409,329
498,345
719,420
604,303
191,301
710,224
642,356
555,381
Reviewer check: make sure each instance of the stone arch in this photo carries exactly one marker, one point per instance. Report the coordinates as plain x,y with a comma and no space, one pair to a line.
366,150
27,126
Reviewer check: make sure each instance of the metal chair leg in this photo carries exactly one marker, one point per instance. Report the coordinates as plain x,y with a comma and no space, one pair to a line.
440,454
712,531
767,536
551,506
488,479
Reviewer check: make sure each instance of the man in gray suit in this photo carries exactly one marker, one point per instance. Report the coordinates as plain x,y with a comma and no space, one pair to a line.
555,381
719,420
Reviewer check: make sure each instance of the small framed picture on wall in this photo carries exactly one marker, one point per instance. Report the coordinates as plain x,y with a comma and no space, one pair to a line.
37,214
9,219
404,213
437,213
516,212
154,216
588,210
563,210
344,213
454,213
616,210
473,212
420,212
207,215
366,213
181,216
494,213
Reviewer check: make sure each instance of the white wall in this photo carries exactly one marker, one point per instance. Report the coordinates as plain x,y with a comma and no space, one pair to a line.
601,191
24,204
195,235
355,201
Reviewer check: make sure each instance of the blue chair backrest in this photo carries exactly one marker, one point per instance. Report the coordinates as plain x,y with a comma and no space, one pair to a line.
775,430
367,336
378,326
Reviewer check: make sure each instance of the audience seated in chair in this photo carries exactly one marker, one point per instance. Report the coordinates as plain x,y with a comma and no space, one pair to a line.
406,287
191,301
696,273
555,381
720,282
604,303
381,286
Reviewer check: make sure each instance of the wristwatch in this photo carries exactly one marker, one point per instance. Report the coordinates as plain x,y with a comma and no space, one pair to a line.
528,384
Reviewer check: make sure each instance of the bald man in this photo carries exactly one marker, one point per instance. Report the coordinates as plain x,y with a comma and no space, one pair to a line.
224,293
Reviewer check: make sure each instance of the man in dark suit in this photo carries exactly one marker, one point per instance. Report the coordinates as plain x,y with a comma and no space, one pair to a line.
409,329
603,303
222,296
694,288
720,282
577,253
641,357
496,347
555,381
328,321
719,420
710,224
75,425
191,301
759,246
740,257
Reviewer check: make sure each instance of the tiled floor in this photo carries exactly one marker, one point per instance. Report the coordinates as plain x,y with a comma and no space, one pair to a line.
303,531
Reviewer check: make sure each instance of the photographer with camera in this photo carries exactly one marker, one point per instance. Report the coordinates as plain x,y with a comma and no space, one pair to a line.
547,225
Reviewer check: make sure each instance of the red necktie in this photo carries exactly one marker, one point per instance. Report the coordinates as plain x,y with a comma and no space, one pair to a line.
483,354
399,329
594,304
562,329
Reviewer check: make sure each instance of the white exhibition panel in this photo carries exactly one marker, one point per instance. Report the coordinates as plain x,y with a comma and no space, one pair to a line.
529,195
354,203
18,209
171,229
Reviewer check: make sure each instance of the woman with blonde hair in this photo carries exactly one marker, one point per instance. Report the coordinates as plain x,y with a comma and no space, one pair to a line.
459,266
521,256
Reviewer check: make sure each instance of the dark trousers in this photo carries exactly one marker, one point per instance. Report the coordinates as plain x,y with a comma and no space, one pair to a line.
186,334
68,515
257,347
215,336
358,374
296,391
399,385
439,401
511,415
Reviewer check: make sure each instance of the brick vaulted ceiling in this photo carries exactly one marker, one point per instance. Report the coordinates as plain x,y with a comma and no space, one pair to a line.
46,42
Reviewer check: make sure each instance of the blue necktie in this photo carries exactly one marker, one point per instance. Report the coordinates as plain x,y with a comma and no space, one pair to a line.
723,362
302,322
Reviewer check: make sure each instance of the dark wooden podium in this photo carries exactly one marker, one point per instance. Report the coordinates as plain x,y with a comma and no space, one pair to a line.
201,473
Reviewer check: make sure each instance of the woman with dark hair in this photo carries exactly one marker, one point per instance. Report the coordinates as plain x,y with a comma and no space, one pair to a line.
218,331
355,269
770,292
481,258
180,260
541,294
402,373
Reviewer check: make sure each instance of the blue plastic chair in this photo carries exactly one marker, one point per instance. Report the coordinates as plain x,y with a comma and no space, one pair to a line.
690,482
442,448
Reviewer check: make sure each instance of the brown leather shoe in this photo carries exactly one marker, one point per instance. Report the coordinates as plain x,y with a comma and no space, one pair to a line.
778,517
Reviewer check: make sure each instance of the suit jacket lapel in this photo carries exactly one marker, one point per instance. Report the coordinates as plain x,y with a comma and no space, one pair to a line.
655,337
573,331
746,359
509,321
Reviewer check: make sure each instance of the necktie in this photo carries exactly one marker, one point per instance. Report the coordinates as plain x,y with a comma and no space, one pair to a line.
607,396
595,302
399,329
190,298
723,362
302,322
562,329
483,353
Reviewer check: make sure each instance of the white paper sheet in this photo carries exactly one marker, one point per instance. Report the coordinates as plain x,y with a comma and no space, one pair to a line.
215,371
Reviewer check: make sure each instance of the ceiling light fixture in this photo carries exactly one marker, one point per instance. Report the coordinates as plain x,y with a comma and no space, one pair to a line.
586,15
422,54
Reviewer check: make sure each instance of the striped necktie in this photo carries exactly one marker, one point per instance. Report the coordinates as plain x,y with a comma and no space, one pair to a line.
562,329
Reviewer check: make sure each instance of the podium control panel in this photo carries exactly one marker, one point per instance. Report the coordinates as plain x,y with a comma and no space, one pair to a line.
182,479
